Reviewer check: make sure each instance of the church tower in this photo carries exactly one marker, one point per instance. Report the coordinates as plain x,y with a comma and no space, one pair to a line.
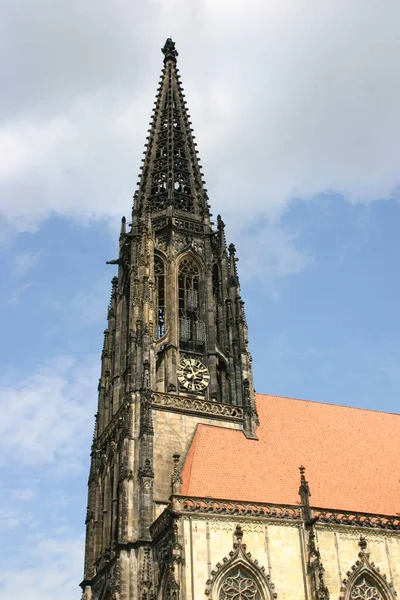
175,353
192,495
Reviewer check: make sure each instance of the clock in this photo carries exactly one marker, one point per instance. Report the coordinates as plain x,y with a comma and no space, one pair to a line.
192,374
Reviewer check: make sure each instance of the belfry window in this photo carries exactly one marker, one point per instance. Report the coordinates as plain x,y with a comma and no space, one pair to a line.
192,330
159,275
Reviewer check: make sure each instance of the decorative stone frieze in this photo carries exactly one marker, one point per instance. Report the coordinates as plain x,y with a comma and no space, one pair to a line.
199,406
240,509
356,519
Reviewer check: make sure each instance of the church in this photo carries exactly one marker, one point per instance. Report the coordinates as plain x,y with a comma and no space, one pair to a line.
198,487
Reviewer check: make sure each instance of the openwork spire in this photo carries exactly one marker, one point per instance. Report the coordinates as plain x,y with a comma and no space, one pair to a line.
171,175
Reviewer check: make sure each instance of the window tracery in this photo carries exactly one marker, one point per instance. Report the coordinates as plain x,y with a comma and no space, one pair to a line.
192,331
365,581
182,200
159,275
240,577
237,585
364,590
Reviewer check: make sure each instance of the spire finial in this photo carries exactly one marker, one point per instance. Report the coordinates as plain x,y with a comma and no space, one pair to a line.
169,51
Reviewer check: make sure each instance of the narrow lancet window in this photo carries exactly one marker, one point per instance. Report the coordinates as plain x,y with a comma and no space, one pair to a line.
159,275
192,330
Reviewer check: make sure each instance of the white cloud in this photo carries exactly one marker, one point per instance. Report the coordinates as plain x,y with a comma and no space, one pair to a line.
25,145
271,252
288,100
91,305
16,293
54,571
10,518
24,261
46,417
23,494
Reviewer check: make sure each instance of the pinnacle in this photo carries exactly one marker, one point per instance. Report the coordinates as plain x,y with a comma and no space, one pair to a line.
169,51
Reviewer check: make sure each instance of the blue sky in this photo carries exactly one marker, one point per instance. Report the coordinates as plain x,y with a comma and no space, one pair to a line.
295,107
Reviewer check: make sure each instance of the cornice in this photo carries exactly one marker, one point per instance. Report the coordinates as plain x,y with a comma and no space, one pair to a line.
207,506
183,505
354,519
197,406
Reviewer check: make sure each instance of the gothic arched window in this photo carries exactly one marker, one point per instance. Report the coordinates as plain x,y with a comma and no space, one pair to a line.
365,589
365,581
192,332
240,577
238,584
159,275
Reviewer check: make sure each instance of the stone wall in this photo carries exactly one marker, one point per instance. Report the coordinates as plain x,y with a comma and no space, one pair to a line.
173,432
339,551
282,550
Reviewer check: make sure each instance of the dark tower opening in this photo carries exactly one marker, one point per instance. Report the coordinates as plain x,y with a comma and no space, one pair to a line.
159,276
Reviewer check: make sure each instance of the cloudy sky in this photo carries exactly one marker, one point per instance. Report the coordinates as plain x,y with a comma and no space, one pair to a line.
295,109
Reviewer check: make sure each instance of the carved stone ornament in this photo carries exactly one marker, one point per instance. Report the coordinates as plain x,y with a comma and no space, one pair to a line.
125,473
147,485
176,478
108,586
364,581
357,519
197,405
146,470
162,242
315,568
188,242
169,555
146,419
221,524
239,576
146,579
353,536
241,509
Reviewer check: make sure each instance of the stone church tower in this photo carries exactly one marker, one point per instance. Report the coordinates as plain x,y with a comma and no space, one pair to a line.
194,484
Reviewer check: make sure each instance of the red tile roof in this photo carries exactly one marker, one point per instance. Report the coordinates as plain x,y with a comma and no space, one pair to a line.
351,457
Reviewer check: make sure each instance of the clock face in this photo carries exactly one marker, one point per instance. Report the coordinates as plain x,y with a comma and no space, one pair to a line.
193,375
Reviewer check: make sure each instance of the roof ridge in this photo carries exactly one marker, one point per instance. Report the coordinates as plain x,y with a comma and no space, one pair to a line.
373,410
